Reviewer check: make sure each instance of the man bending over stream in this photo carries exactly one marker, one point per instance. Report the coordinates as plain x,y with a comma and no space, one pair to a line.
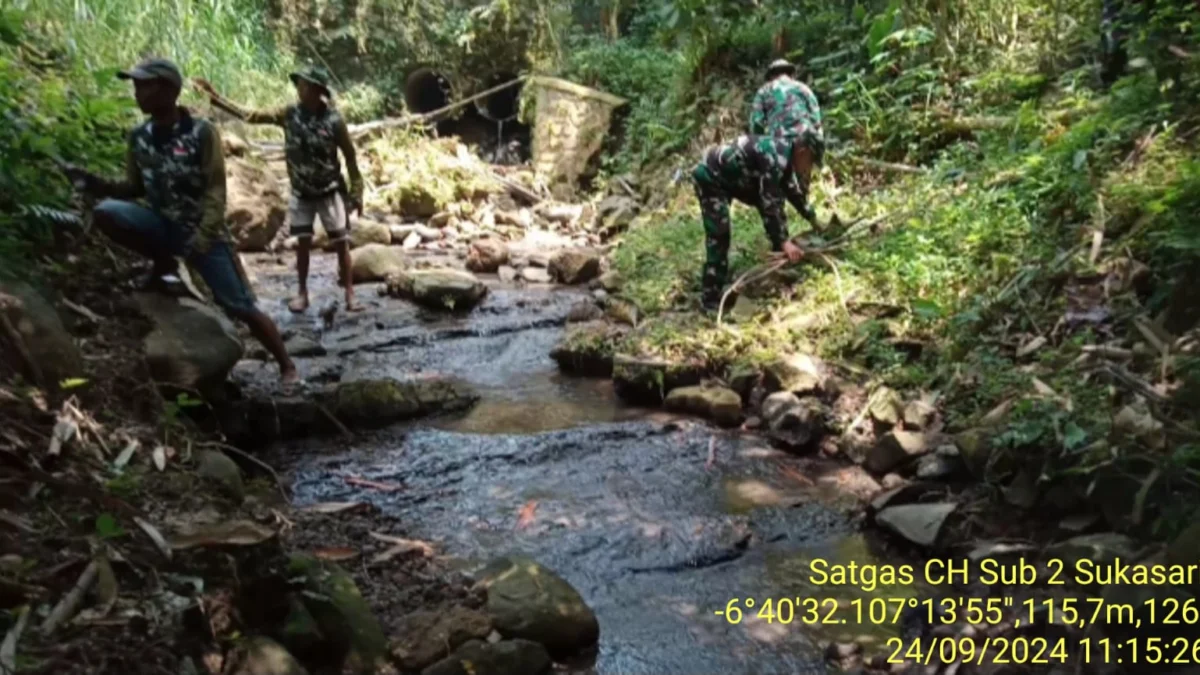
175,161
314,132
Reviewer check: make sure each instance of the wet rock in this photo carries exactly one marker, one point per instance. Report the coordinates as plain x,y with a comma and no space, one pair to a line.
222,471
600,295
647,380
507,274
440,219
944,462
743,379
918,523
416,201
441,289
399,232
375,262
588,349
615,213
510,657
799,374
793,422
192,345
900,495
487,255
255,209
42,334
304,347
892,480
342,615
264,656
528,601
887,410
575,266
897,448
365,231
426,637
411,242
377,403
536,275
919,416
427,233
719,404
584,311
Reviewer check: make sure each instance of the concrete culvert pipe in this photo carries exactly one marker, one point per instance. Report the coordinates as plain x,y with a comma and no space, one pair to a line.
503,105
426,90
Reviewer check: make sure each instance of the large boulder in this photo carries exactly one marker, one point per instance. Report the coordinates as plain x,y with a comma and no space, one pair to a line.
51,352
646,380
487,255
443,289
192,345
795,423
898,447
424,637
333,610
575,266
510,657
377,403
375,262
719,404
528,601
366,231
920,524
587,349
255,208
799,374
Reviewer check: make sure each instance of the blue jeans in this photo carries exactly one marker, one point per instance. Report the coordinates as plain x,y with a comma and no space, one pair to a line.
163,239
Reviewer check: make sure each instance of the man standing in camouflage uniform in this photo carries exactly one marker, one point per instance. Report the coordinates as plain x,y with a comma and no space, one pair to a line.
175,162
784,104
760,171
314,132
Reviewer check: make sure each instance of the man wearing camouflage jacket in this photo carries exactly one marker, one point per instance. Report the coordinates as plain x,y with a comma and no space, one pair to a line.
175,162
784,104
314,132
761,171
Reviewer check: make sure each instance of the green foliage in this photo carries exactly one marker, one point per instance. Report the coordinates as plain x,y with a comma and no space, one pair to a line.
107,527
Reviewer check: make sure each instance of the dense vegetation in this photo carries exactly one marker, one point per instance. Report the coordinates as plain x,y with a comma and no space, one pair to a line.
1005,158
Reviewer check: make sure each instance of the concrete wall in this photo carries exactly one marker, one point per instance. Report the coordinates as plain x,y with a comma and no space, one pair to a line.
571,123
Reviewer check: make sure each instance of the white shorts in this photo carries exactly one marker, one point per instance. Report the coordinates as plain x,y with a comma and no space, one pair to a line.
302,214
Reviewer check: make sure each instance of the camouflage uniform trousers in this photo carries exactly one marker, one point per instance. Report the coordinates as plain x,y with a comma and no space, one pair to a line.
714,201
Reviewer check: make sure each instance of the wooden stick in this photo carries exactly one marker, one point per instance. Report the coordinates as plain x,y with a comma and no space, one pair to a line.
360,130
8,650
67,607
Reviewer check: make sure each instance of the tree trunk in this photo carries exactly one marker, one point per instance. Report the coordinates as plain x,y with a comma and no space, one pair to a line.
780,44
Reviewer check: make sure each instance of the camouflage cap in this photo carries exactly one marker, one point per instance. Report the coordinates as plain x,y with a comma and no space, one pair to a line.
780,66
154,69
314,74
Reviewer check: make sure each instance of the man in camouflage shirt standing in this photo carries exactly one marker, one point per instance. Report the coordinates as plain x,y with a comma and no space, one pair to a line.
314,132
783,104
761,171
175,162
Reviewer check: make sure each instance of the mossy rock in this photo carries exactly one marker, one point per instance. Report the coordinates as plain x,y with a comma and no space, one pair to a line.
377,403
647,380
344,618
588,349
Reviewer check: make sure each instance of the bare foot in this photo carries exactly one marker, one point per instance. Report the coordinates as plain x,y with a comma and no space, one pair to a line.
352,305
299,303
289,377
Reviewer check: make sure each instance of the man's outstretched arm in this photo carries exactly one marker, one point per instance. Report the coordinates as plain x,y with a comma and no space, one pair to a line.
276,116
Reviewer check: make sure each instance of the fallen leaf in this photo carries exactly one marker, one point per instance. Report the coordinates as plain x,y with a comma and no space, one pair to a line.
160,457
335,554
997,414
155,536
400,545
374,485
8,649
106,585
795,475
232,533
1043,388
332,507
525,516
126,455
1032,346
16,521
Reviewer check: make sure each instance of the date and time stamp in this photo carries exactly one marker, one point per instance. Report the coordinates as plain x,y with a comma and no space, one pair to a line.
886,604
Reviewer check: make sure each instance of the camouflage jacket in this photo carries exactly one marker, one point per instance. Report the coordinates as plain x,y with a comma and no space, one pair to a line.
757,170
181,173
312,141
782,105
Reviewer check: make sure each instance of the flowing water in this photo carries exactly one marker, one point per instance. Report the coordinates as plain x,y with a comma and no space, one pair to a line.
659,522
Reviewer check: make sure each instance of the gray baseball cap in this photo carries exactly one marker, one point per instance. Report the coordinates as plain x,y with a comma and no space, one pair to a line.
154,69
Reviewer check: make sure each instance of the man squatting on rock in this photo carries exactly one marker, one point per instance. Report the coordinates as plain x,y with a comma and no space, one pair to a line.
314,131
175,162
760,170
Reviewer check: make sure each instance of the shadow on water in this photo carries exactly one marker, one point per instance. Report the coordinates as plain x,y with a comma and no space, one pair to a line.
626,504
